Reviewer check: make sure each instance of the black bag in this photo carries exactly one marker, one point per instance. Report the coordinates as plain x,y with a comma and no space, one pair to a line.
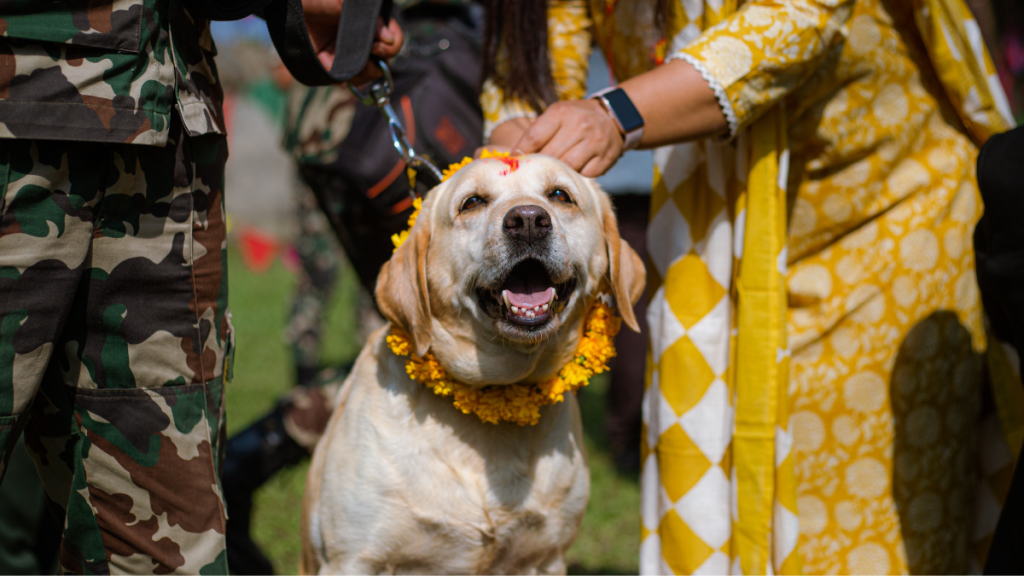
365,192
999,256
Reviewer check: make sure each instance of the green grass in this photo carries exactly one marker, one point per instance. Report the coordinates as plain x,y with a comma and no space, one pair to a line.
609,540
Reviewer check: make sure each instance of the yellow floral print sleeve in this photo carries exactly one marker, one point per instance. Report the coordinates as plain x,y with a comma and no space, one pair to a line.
569,41
763,51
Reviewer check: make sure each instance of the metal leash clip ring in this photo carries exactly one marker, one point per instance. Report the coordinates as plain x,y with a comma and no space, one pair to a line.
378,94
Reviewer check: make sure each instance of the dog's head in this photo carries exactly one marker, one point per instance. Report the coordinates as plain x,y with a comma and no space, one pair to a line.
502,264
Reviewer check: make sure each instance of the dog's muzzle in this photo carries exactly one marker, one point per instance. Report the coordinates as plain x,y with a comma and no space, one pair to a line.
531,285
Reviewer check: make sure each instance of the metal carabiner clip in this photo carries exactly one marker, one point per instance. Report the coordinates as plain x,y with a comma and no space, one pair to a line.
379,91
378,94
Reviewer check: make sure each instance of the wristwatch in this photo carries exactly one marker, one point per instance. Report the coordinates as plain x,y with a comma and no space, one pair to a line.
621,109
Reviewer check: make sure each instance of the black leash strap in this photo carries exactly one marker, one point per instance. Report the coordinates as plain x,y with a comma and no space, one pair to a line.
287,25
224,9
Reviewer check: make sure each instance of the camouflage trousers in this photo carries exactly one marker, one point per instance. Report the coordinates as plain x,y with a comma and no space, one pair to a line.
320,255
114,336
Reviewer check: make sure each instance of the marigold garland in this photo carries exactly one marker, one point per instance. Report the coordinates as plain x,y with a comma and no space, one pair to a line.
398,239
519,403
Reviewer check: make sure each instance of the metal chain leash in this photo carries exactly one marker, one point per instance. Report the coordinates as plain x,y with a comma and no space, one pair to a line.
378,94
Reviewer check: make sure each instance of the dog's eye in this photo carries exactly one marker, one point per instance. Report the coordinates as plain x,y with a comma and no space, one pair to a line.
560,195
472,202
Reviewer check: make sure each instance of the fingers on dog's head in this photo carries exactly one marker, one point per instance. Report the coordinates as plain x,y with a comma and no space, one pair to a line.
626,272
402,287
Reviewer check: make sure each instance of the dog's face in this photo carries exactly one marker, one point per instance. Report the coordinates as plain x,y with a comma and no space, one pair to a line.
502,265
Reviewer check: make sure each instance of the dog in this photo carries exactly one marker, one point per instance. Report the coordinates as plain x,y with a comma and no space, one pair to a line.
404,482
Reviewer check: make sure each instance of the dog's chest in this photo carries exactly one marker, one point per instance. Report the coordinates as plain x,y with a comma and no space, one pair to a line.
412,485
511,508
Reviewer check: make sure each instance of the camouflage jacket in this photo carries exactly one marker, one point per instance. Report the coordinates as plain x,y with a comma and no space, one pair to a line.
105,71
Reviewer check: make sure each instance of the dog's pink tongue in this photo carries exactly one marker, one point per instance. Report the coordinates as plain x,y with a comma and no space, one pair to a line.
530,299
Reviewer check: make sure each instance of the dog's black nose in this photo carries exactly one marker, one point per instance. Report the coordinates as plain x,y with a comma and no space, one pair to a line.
527,223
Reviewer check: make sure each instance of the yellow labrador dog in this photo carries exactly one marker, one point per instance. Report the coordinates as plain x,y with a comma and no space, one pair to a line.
495,280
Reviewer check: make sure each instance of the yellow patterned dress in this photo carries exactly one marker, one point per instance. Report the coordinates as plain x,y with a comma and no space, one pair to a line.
816,388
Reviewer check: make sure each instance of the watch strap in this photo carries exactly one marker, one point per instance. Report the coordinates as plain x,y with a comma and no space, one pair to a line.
631,138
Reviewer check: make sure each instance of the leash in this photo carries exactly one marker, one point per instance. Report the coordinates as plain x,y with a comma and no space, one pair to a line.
287,26
286,23
378,94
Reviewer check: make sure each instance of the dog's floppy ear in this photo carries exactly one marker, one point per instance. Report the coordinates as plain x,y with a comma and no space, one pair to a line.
402,287
625,268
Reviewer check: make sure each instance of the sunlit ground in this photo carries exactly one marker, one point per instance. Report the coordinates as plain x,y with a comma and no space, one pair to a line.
609,540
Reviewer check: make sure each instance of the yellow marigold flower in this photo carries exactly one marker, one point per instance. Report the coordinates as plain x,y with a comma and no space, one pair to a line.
587,347
442,388
417,205
398,343
554,388
453,168
575,376
399,239
418,371
485,153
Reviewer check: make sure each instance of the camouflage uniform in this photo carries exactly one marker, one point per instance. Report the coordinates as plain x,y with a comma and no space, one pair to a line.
316,121
321,258
114,327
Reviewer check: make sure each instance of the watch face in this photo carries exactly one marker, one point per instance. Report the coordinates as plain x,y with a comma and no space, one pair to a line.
624,110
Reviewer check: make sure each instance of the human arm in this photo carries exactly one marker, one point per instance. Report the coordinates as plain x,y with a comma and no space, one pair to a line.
723,80
673,99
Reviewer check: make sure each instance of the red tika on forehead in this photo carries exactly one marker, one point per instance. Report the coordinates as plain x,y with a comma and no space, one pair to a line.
512,163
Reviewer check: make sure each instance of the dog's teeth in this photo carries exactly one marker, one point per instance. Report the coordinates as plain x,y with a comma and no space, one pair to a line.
544,307
536,308
530,314
514,309
504,296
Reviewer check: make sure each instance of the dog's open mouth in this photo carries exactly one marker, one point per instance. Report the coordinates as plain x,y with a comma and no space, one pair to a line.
528,296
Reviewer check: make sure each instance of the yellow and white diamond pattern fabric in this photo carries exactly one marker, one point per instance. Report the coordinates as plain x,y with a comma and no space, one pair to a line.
687,492
719,493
